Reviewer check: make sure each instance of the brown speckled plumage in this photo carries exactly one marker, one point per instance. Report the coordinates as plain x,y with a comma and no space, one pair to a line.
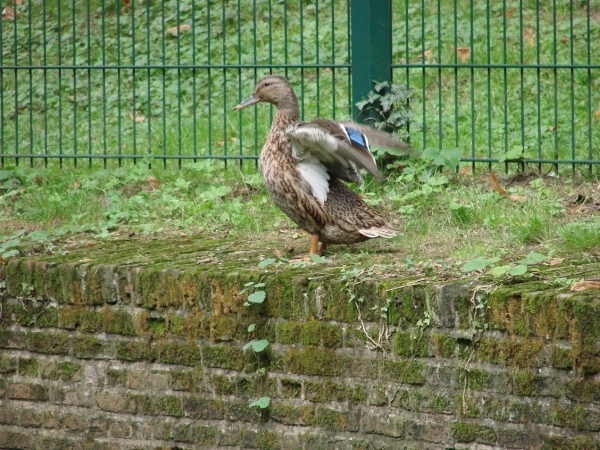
343,217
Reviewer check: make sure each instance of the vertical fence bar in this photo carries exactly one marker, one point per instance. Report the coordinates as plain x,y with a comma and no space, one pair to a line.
89,81
164,83
149,149
2,132
522,73
30,73
472,73
439,74
555,79
134,114
119,82
423,75
318,61
572,61
208,76
539,87
489,80
224,48
60,72
179,124
104,110
371,48
74,102
505,83
45,84
194,91
589,83
16,102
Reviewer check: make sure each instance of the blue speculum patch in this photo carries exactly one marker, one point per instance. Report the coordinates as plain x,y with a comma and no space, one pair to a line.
357,137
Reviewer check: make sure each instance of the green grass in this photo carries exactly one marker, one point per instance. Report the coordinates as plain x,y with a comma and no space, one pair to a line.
547,113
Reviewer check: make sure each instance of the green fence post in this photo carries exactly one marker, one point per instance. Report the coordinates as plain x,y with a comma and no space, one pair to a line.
371,48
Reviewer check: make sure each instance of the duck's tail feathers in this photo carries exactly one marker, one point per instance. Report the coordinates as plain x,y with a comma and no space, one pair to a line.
386,231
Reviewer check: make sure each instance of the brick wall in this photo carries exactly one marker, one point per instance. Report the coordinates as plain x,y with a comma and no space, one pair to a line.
127,356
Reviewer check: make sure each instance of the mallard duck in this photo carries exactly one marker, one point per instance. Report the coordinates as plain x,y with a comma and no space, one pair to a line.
305,164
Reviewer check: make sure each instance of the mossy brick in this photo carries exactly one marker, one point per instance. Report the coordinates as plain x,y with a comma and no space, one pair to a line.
162,288
292,415
285,295
30,418
222,385
479,380
169,352
409,371
316,361
187,380
408,344
8,364
55,344
135,351
522,354
29,367
291,388
528,384
334,301
61,370
357,395
202,408
338,421
576,417
289,332
472,432
445,345
14,439
569,443
117,321
320,333
116,377
28,391
238,411
12,339
225,357
223,328
270,440
204,435
87,347
583,390
194,325
319,392
561,358
48,318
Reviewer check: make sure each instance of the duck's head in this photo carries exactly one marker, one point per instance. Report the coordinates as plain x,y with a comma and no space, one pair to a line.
272,89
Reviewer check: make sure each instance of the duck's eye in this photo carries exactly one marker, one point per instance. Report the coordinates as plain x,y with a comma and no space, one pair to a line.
267,83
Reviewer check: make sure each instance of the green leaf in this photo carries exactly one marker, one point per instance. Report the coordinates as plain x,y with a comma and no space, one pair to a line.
521,269
266,262
38,235
515,153
251,327
262,403
318,259
257,297
475,264
533,258
10,253
259,346
500,271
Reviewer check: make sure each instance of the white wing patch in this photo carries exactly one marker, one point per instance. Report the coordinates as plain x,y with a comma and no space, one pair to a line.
315,174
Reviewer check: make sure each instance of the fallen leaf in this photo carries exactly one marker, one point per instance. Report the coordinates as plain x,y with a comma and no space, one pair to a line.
551,128
18,2
555,261
530,35
77,184
279,253
496,185
153,181
174,31
465,170
85,260
585,285
518,198
90,244
424,55
8,13
576,209
220,143
137,118
464,53
565,40
597,113
510,12
71,98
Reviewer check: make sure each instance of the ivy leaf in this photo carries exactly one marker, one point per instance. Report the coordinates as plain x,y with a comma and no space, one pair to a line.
266,262
259,346
533,258
38,235
262,403
500,271
251,327
257,297
318,259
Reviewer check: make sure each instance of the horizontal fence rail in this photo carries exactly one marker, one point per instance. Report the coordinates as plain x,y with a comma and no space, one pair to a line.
135,80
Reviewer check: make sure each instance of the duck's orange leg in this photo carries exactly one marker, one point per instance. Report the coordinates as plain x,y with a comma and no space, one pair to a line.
322,249
314,244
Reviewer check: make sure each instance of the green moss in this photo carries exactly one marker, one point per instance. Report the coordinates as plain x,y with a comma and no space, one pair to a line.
69,371
320,392
472,432
223,357
291,388
117,321
488,350
48,318
222,385
561,358
8,364
576,417
187,380
116,377
223,328
315,362
586,390
410,372
528,384
479,379
569,443
444,404
86,346
445,345
334,420
39,343
406,344
29,367
168,352
292,415
356,395
135,351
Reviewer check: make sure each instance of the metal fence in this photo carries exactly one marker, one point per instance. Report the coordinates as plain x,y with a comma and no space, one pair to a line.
102,82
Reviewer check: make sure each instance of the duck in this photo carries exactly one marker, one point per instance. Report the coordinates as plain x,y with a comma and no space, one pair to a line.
305,167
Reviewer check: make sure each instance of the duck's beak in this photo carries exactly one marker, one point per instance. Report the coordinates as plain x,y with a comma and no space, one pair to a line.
249,101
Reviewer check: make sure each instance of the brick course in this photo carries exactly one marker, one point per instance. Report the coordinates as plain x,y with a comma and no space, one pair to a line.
128,357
